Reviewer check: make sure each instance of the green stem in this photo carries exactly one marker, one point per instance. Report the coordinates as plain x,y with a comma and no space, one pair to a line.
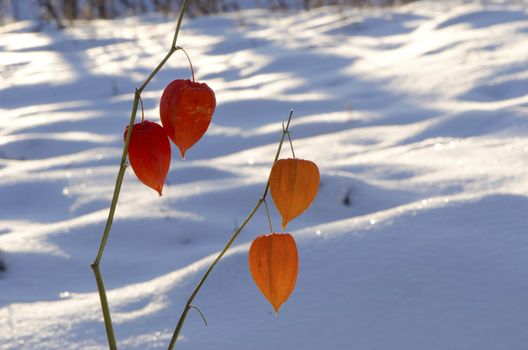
119,181
235,234
106,310
178,24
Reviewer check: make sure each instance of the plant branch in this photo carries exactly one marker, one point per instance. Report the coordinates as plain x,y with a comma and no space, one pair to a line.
119,181
117,188
235,234
284,132
178,25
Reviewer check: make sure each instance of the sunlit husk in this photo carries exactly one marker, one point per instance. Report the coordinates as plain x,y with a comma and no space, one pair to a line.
293,185
274,263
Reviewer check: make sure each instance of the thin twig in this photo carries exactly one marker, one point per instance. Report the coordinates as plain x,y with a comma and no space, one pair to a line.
235,234
268,215
142,109
291,144
200,312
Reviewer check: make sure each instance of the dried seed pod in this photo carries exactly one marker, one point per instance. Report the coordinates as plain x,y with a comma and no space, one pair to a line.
274,263
293,185
149,154
186,110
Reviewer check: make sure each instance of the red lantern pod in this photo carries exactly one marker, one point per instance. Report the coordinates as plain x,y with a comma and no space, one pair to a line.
149,154
274,263
186,110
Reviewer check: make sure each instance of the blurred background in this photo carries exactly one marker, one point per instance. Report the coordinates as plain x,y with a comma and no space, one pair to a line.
67,10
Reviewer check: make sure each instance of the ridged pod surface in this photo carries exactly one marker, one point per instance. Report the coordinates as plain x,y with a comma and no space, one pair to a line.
149,154
186,110
274,264
293,185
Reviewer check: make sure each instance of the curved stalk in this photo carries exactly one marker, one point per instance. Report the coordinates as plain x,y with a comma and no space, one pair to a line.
268,215
235,234
188,59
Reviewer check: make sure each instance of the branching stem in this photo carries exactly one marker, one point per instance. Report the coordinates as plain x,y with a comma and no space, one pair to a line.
112,344
235,234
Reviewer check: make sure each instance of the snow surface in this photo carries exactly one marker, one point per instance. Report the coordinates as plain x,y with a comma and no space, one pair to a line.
418,115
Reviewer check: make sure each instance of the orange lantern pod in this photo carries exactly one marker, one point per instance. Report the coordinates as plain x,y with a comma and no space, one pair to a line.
274,263
149,154
293,185
186,110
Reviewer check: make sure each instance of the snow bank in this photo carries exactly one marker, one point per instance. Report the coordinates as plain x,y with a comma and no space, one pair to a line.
417,117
